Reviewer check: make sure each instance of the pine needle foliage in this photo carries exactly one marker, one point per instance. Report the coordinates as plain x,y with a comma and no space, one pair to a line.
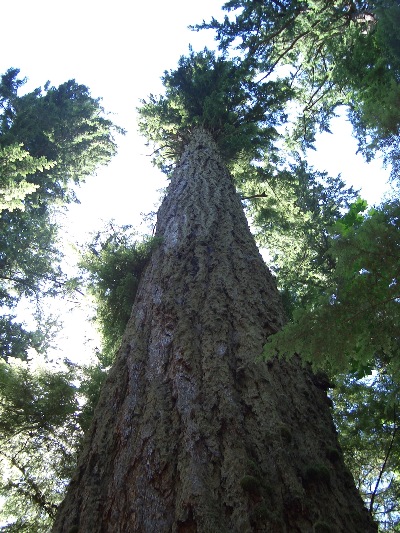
367,415
333,53
112,265
50,140
39,432
220,96
357,318
291,208
63,128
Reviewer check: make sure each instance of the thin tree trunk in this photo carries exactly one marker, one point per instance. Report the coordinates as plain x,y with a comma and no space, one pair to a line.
191,434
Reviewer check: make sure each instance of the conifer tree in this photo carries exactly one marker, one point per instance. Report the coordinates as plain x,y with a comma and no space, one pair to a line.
192,433
51,139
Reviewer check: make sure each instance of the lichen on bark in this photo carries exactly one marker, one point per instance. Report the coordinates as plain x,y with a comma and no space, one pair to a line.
191,433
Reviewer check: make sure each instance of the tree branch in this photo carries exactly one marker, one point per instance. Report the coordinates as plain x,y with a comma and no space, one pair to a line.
375,491
261,195
36,495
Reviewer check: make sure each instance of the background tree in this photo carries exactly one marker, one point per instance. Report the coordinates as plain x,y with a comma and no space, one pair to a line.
39,435
367,417
291,207
45,412
16,165
334,53
112,265
50,141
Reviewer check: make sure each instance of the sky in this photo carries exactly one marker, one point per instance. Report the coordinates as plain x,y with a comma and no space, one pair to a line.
120,50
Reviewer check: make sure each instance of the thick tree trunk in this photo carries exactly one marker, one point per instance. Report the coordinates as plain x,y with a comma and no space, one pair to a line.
191,434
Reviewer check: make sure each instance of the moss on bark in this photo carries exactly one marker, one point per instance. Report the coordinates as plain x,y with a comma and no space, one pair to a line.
187,413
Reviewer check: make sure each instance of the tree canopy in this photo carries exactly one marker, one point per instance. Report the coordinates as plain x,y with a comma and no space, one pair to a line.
51,140
331,53
220,96
64,126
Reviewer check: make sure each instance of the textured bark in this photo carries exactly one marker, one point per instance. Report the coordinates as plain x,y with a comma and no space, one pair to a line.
191,434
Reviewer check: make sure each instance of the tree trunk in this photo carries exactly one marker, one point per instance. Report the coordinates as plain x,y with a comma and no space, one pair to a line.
191,433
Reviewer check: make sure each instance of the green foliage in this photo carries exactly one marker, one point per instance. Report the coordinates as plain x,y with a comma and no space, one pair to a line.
44,413
357,316
352,219
33,400
367,415
113,263
291,208
28,251
15,165
220,96
62,128
333,53
29,270
375,71
38,436
15,340
49,141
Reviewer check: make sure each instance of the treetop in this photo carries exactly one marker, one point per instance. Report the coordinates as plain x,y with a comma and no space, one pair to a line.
219,95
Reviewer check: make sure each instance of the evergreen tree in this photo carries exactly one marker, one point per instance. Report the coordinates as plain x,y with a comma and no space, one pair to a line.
112,265
332,53
191,433
367,417
50,141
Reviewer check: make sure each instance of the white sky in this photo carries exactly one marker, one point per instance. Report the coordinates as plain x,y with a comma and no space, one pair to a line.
119,50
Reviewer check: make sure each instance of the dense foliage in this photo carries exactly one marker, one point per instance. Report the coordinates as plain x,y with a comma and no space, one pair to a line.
332,53
356,317
50,140
220,96
291,205
367,416
16,164
39,431
44,412
112,265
